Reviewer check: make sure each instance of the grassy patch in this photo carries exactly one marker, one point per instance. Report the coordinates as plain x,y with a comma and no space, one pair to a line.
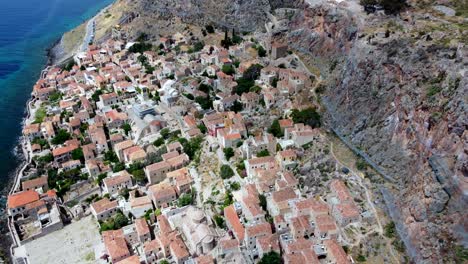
433,90
40,114
89,256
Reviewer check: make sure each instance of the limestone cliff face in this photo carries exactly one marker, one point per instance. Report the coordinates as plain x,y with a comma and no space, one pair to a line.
397,92
240,14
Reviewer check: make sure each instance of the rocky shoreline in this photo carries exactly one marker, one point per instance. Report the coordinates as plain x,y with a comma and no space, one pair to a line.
56,55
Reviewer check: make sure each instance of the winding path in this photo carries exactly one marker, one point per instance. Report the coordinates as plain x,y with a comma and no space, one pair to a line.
379,228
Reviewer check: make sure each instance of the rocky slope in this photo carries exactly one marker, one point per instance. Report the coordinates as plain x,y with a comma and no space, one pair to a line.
396,91
393,88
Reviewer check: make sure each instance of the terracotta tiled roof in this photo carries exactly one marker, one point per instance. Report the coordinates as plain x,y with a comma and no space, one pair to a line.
234,222
123,177
227,244
22,198
258,230
142,227
103,205
337,252
130,260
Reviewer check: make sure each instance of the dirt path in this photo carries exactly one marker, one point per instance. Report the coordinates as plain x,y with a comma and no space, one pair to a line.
379,229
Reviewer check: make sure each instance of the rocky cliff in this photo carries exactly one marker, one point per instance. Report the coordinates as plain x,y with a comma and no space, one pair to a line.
394,88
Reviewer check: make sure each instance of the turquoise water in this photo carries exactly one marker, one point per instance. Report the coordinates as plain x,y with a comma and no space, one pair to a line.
27,29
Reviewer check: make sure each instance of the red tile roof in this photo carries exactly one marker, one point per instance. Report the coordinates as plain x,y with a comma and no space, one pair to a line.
234,222
22,198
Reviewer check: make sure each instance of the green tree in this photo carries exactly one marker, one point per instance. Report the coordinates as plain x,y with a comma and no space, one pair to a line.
308,116
100,177
228,153
111,156
271,257
226,172
361,164
243,85
140,47
205,88
118,167
204,102
96,94
263,201
275,129
61,137
127,128
125,193
165,132
120,220
191,147
253,72
159,142
228,69
77,154
202,128
236,106
198,46
139,175
69,65
219,220
185,199
40,114
234,186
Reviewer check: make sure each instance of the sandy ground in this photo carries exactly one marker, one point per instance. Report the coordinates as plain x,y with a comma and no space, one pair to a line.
72,244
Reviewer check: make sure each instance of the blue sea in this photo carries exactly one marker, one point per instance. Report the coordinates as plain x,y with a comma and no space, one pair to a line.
27,29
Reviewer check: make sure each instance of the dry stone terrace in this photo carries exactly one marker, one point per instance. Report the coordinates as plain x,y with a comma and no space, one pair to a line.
175,130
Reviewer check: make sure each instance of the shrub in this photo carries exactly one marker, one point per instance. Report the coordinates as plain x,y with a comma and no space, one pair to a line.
361,164
228,153
185,199
219,220
111,156
235,186
165,133
263,153
226,172
198,46
236,107
433,90
361,258
140,47
261,51
210,29
390,230
158,142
